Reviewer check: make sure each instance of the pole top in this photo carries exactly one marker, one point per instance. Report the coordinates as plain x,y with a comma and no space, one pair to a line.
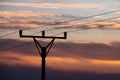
43,35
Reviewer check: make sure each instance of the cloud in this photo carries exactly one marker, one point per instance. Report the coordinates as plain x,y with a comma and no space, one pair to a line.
90,25
89,50
25,14
54,5
61,63
101,58
59,25
30,19
24,24
29,15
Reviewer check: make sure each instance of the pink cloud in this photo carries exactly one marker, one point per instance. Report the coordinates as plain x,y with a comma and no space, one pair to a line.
25,14
54,5
61,63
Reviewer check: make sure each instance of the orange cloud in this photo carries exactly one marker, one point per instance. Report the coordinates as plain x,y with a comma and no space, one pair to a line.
62,63
76,26
89,25
13,59
106,66
54,5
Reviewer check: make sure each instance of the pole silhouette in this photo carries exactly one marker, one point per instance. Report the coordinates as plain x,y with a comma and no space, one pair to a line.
43,50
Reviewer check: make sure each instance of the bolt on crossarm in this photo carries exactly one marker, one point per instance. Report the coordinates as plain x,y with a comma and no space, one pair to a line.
43,51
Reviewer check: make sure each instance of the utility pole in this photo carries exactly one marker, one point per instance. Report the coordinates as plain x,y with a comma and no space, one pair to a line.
43,51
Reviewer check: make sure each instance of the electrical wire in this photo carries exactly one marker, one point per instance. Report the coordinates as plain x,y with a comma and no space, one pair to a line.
61,23
91,16
83,24
88,23
66,21
15,47
59,33
9,34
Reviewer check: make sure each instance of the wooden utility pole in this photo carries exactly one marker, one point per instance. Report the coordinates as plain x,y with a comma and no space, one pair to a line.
43,51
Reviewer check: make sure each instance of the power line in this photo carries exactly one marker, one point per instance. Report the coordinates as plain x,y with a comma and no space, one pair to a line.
85,23
82,24
88,23
4,42
8,34
99,20
60,33
67,21
91,16
15,47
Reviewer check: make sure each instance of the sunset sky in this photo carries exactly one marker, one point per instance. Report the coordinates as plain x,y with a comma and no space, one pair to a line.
90,52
